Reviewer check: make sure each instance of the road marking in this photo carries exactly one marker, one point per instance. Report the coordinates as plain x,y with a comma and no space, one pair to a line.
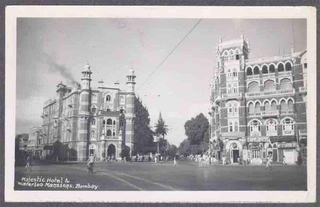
138,178
132,185
126,182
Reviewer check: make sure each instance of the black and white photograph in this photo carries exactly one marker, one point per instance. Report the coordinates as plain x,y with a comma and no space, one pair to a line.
161,105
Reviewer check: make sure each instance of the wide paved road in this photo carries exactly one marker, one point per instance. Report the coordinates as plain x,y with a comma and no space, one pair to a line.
186,176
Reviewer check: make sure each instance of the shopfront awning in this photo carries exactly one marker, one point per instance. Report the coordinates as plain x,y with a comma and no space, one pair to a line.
283,139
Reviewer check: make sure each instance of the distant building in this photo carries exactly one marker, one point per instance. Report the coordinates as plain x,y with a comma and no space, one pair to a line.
23,141
82,120
34,145
258,106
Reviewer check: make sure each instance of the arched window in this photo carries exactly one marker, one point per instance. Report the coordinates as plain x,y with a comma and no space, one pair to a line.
285,84
93,122
234,73
257,107
269,85
94,109
229,88
249,71
235,88
267,106
283,106
94,97
272,69
264,69
229,74
290,105
93,134
104,122
114,133
232,108
273,105
256,70
236,126
231,56
253,87
271,127
288,67
230,126
287,126
108,98
255,128
108,132
109,121
114,122
280,67
251,108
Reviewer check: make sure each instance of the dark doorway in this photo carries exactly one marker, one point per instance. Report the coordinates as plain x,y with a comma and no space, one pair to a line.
274,155
111,151
235,156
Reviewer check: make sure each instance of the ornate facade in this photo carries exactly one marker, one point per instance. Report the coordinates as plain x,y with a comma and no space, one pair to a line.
258,106
82,120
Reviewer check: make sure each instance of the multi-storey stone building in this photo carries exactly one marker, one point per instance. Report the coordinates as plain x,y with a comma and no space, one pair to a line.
258,106
82,120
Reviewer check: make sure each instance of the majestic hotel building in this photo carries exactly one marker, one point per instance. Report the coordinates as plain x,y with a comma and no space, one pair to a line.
82,120
258,106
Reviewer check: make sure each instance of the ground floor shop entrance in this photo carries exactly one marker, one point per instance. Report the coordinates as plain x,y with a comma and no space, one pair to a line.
235,155
111,151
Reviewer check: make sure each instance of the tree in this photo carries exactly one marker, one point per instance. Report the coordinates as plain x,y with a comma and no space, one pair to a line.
196,128
142,132
161,127
197,131
160,131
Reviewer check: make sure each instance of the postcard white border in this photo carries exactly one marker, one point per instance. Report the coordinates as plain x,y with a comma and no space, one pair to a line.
14,12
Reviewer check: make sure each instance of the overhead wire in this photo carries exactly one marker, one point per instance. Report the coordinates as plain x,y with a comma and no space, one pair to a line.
169,54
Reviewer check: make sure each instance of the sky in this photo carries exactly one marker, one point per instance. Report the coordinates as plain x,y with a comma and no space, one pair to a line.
51,50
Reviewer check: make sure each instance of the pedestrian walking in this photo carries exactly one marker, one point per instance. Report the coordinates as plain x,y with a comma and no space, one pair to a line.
174,161
90,163
268,165
284,160
28,165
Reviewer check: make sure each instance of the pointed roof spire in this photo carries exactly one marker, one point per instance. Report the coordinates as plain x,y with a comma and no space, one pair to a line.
292,48
160,116
87,67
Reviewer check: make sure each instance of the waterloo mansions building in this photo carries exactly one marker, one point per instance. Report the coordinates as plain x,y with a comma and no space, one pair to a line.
258,106
82,120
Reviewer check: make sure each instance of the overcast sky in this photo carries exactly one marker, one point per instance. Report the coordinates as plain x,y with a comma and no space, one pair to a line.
53,50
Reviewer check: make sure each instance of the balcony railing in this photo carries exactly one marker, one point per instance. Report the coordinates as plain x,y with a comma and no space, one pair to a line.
231,95
269,75
288,112
250,77
270,113
270,93
303,89
254,114
287,73
288,132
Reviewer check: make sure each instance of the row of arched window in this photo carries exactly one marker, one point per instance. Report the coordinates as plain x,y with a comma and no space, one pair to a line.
109,133
231,54
270,105
109,122
232,73
269,85
271,68
287,125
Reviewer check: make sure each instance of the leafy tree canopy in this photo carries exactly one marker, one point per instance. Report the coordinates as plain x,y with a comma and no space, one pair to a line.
196,129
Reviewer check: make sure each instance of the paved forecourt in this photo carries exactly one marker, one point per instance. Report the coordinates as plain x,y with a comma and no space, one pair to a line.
185,176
